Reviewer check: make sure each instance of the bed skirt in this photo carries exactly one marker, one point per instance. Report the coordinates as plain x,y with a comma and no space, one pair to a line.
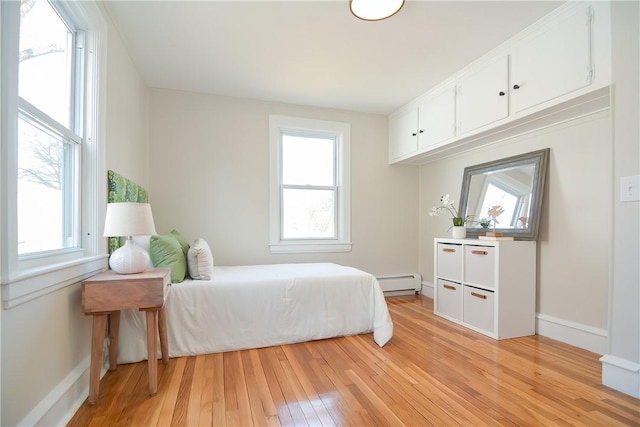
261,306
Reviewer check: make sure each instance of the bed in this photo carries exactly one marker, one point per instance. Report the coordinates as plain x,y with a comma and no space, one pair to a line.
263,305
242,307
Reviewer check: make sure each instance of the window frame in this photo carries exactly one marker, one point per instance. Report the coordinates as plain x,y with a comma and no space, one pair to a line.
342,158
31,275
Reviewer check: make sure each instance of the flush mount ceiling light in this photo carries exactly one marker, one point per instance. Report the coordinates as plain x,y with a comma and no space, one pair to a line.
375,10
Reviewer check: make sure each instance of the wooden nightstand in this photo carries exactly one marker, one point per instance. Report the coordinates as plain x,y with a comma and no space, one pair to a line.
105,294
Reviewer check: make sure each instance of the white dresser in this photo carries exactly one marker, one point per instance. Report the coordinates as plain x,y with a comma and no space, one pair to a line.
488,286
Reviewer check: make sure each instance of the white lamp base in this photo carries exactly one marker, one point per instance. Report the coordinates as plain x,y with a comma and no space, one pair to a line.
129,258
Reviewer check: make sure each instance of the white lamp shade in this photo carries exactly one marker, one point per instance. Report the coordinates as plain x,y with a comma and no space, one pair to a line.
374,10
128,219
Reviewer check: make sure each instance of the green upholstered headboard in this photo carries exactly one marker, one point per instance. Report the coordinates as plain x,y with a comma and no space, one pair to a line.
122,189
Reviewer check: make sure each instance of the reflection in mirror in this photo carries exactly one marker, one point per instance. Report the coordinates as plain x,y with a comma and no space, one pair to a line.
515,184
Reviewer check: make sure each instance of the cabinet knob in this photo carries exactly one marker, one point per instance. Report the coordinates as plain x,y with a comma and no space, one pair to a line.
453,288
501,93
516,87
421,130
414,134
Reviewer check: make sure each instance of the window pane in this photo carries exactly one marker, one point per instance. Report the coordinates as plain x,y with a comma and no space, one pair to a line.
509,202
307,161
308,214
45,184
45,60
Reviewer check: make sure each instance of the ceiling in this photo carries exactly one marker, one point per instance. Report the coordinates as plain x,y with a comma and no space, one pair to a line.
313,52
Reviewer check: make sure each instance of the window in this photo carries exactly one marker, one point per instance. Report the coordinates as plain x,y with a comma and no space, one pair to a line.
51,118
49,144
310,188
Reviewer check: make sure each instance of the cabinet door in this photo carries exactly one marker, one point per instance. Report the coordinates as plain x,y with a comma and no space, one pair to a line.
403,137
437,119
483,96
480,266
449,299
449,264
478,308
555,63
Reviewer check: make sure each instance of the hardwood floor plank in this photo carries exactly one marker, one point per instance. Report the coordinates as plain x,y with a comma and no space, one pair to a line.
263,409
237,406
169,393
432,372
219,401
184,390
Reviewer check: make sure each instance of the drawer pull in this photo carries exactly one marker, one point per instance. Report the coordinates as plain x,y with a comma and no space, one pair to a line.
478,295
480,252
448,250
453,288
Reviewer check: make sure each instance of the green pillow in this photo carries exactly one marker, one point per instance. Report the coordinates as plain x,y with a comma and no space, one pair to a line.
165,251
183,242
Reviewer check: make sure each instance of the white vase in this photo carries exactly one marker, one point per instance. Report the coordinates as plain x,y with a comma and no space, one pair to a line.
458,232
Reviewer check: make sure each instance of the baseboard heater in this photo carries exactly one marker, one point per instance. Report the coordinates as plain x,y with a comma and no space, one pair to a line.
403,282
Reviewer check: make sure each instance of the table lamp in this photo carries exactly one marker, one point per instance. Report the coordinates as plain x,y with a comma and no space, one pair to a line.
129,219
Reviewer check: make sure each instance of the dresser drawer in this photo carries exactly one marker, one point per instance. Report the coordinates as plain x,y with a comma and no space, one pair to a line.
449,261
478,308
479,265
449,299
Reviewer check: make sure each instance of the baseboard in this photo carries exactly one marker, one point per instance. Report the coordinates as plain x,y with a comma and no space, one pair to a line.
59,406
427,289
621,375
576,334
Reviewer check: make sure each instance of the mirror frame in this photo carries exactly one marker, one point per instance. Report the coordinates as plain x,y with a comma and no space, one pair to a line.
538,158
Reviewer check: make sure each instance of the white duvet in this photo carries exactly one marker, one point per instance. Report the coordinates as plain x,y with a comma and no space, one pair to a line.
263,305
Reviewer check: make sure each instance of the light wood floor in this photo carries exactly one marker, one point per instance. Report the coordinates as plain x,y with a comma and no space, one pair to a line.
432,372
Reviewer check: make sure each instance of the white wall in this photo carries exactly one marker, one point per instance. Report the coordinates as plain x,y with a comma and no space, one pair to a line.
621,365
46,342
209,177
574,240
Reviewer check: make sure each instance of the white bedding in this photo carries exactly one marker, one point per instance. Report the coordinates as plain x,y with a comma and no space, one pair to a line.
263,305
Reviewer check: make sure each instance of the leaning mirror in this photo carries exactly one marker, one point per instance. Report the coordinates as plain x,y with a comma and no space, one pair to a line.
516,184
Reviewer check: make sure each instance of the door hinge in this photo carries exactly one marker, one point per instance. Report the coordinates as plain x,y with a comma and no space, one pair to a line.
589,14
590,73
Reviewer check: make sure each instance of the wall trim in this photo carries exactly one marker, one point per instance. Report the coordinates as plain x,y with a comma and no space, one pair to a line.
61,404
576,334
621,374
427,289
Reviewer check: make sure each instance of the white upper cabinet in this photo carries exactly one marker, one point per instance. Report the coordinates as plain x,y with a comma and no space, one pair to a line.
554,63
558,67
437,119
483,96
403,134
429,123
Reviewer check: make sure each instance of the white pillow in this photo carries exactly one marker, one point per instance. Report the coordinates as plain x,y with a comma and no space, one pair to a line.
200,260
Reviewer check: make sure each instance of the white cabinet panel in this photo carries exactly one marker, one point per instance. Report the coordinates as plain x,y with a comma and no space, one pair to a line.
554,63
437,119
403,137
479,266
450,299
450,261
478,308
483,96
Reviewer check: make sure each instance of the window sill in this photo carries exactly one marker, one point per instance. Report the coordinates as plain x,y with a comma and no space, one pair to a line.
34,283
306,248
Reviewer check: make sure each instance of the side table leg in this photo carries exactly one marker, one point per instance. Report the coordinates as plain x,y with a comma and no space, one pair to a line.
162,329
152,350
114,334
97,344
